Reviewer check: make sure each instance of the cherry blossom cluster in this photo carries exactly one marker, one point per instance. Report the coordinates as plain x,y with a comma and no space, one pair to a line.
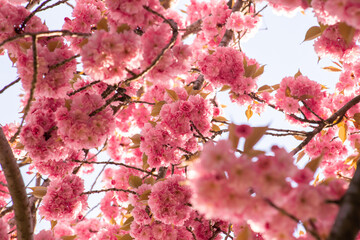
331,12
80,130
293,90
63,199
240,188
226,66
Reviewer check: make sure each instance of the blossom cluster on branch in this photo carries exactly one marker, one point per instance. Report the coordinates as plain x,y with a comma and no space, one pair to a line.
122,79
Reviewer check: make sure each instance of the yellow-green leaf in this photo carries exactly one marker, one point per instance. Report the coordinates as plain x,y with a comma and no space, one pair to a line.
265,88
298,74
68,237
233,138
256,134
342,131
144,160
287,92
215,128
145,195
305,96
300,156
258,72
248,113
220,119
346,32
124,237
314,163
39,191
276,86
244,234
157,108
53,224
53,45
250,70
332,69
172,94
135,181
225,88
103,24
127,224
150,181
122,28
312,33
136,139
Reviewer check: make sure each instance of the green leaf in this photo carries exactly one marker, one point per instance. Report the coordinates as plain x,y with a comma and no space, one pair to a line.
172,94
314,163
312,33
256,134
248,113
157,108
259,72
135,181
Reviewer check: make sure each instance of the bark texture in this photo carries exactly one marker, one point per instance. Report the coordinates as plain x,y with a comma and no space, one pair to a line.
17,190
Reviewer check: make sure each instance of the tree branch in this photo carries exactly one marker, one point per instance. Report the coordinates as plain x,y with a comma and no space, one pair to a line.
347,222
17,191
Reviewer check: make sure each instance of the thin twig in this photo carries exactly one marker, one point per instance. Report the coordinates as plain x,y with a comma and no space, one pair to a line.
53,5
118,164
55,33
97,177
171,43
32,89
23,24
63,62
314,233
83,88
109,190
9,85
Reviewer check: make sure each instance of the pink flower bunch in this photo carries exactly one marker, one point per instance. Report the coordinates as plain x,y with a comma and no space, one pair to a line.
107,54
12,16
44,235
39,135
177,116
58,167
119,178
51,82
158,230
132,12
226,67
332,44
169,201
77,129
86,229
141,211
239,189
295,89
63,199
330,12
288,7
109,206
239,22
159,145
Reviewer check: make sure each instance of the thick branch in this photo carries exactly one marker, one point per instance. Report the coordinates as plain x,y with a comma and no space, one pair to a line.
17,191
347,223
332,120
